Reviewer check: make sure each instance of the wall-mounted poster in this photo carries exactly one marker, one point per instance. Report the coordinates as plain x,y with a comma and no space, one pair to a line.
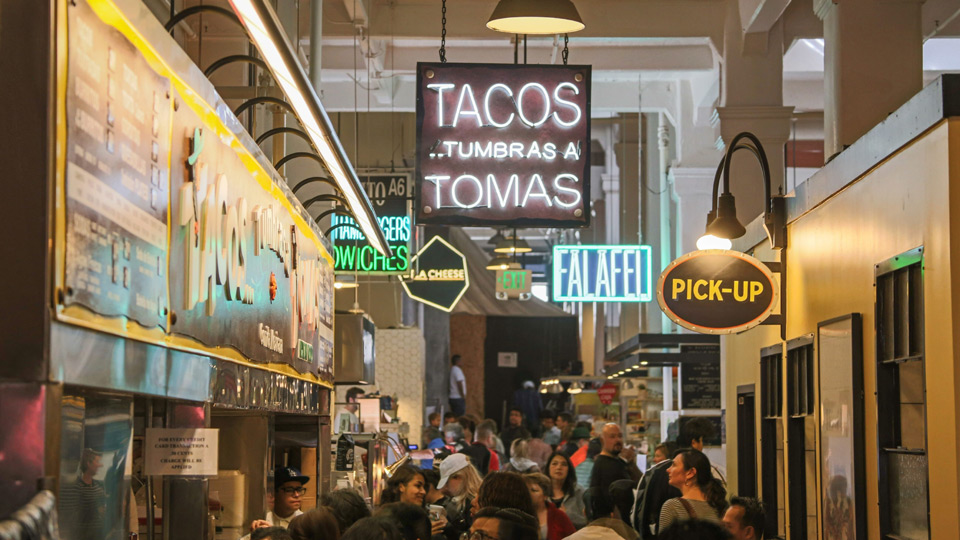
841,428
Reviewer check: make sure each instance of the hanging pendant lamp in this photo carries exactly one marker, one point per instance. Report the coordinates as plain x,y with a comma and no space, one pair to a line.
535,17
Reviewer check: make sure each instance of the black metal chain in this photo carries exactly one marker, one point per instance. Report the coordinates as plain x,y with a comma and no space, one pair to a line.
566,48
443,33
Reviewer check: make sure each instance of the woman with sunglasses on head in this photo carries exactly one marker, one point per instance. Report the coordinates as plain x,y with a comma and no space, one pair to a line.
554,523
565,493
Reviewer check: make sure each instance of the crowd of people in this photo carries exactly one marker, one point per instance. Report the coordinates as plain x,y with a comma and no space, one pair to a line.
573,481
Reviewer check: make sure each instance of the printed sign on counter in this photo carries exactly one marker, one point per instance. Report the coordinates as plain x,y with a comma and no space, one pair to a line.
181,452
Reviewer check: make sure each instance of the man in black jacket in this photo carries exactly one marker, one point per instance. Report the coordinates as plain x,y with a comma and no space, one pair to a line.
613,464
654,488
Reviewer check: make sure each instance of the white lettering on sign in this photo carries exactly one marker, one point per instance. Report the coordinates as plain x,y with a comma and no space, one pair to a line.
270,338
522,101
601,273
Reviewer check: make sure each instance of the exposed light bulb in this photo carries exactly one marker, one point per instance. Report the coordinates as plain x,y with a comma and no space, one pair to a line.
709,241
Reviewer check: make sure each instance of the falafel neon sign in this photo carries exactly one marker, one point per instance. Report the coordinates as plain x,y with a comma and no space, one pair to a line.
503,144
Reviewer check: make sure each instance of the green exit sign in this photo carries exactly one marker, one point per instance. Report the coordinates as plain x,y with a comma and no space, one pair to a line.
513,283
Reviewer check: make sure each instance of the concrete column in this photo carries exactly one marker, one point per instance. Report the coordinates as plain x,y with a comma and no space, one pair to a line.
587,338
873,63
693,186
753,101
624,319
436,337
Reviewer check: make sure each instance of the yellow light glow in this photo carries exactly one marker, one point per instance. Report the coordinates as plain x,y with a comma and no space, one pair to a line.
284,76
709,241
535,25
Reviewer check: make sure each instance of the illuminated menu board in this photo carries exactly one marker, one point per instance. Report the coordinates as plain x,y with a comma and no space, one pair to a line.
389,193
503,145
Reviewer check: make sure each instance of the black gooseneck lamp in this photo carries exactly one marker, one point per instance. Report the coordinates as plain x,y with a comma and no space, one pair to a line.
722,223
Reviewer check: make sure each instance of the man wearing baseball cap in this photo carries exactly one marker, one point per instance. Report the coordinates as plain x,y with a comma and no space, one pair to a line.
288,488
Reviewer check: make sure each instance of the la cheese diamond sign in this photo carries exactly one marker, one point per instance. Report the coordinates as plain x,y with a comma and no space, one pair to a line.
438,275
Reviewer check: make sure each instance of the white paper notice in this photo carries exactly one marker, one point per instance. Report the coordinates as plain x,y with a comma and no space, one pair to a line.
181,452
507,359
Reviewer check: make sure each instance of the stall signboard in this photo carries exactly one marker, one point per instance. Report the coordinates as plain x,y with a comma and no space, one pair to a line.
717,291
438,275
503,145
173,228
700,385
602,274
514,283
390,195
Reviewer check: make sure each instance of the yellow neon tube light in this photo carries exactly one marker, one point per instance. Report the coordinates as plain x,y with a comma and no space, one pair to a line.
266,33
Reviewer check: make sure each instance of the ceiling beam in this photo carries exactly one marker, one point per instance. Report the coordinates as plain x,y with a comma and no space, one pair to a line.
403,57
604,18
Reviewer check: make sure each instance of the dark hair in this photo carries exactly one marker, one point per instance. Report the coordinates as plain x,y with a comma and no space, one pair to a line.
695,429
753,514
354,393
315,524
584,424
505,490
454,359
433,416
694,529
713,490
87,457
373,528
449,414
570,482
270,533
518,409
402,477
669,448
347,505
566,417
431,477
467,424
548,413
412,520
594,447
514,524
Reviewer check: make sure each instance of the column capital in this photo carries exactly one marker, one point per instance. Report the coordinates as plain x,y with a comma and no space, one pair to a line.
768,123
692,181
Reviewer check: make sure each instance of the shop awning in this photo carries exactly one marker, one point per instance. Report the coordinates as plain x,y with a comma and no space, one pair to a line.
480,298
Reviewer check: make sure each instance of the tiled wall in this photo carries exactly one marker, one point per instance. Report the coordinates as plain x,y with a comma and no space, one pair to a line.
400,373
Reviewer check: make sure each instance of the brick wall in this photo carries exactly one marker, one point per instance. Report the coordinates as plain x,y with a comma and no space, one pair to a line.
467,336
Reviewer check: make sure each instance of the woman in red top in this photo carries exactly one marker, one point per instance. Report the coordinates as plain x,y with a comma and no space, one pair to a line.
554,523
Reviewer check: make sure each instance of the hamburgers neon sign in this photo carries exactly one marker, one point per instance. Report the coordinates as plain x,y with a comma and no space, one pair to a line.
503,144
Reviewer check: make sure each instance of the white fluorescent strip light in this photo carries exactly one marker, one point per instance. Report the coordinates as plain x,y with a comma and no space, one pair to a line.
287,72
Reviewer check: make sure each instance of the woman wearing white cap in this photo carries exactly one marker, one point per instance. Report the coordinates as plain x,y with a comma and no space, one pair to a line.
460,482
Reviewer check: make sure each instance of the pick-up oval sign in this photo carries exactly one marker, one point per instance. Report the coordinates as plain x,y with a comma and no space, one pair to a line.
717,291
